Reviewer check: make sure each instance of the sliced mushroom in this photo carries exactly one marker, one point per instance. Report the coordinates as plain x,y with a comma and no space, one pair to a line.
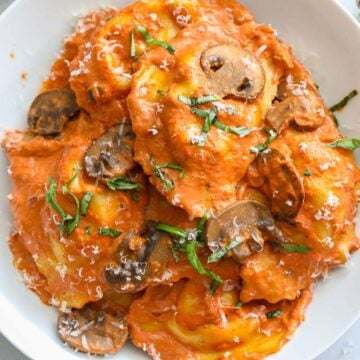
282,182
299,104
92,331
248,219
233,72
111,155
51,110
139,259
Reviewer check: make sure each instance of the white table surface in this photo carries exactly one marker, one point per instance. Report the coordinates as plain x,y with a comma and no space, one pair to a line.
347,348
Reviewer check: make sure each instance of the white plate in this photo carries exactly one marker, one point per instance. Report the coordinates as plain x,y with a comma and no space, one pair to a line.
325,38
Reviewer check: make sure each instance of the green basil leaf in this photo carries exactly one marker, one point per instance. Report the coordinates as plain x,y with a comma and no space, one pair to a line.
197,101
50,197
341,104
238,130
273,314
174,254
196,263
260,148
173,230
132,45
348,144
238,305
85,202
167,182
295,248
307,172
123,183
149,39
71,225
106,231
217,255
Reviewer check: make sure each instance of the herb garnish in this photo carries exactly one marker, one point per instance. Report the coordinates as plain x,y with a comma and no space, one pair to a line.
307,172
295,248
260,148
50,197
167,182
106,231
149,39
88,230
210,117
341,104
238,305
217,255
197,101
123,183
188,242
273,314
348,144
69,223
85,202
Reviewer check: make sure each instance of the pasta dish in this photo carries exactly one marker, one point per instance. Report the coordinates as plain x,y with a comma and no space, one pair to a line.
180,182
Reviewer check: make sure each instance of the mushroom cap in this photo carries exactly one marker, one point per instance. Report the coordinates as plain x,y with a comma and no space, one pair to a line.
283,180
249,219
139,259
111,155
233,72
92,331
51,110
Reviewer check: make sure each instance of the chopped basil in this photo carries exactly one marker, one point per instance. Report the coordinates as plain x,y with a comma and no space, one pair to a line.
214,286
307,172
210,117
197,101
273,314
189,247
173,230
149,39
72,224
106,231
85,202
174,253
341,104
135,196
217,255
123,183
348,144
295,248
238,130
200,228
196,263
50,197
132,45
167,182
260,148
88,230
238,305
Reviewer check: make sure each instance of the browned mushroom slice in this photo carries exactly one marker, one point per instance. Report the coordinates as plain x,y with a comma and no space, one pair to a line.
305,110
51,110
248,219
139,259
233,72
111,155
282,182
93,331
